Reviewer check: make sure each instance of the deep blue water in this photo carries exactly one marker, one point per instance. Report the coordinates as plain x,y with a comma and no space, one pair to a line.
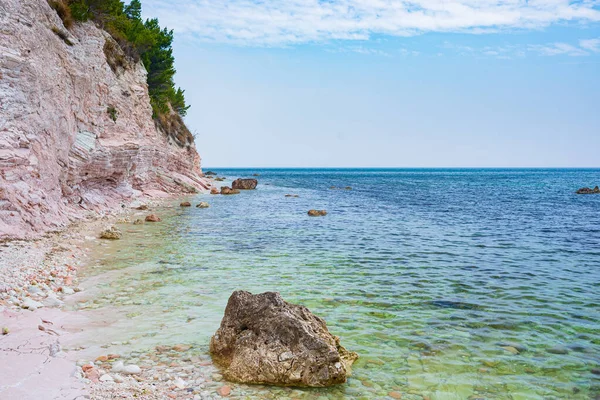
435,276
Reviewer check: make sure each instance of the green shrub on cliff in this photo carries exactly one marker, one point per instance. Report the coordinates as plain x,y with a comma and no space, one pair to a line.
139,40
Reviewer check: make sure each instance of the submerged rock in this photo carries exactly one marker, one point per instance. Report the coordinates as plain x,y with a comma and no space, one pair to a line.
203,204
185,204
587,190
226,190
111,234
317,213
138,222
265,340
244,184
219,179
210,173
153,218
214,190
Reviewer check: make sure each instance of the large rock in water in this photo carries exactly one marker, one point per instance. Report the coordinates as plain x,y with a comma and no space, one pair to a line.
244,184
587,190
265,340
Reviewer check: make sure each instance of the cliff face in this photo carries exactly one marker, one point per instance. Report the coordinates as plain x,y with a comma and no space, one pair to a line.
76,133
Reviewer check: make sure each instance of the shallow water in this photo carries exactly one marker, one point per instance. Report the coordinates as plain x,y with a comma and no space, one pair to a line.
435,277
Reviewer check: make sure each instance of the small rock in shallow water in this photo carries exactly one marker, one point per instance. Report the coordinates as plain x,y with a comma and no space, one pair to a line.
395,395
138,222
203,204
214,190
186,204
317,213
558,350
152,218
111,234
511,349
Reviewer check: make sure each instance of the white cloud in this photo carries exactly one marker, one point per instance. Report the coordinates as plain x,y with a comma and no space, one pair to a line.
284,22
590,44
555,49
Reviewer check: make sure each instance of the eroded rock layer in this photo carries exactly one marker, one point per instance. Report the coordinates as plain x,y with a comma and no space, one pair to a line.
76,135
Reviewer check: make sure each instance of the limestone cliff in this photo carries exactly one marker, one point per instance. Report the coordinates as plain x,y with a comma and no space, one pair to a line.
76,132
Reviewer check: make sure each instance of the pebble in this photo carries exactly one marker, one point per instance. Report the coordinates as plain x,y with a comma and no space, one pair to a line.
558,350
131,370
67,290
511,349
224,391
180,383
106,378
395,395
31,304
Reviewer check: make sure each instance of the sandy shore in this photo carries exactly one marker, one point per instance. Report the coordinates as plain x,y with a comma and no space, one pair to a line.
37,278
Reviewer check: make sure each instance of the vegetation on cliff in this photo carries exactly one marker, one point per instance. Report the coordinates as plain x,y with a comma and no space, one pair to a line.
139,40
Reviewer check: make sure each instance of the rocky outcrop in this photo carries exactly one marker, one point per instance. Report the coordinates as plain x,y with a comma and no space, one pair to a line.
76,136
226,190
265,340
587,190
244,184
317,213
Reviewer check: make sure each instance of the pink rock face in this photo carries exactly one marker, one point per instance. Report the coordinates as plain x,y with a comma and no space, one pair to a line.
62,155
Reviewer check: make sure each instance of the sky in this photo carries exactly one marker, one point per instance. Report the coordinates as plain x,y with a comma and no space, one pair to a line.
389,83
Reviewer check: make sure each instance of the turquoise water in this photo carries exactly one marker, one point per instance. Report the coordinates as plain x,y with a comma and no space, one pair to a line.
450,283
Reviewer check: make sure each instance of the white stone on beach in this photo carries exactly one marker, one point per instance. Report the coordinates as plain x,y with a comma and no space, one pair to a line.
180,383
132,370
67,290
52,301
31,304
106,378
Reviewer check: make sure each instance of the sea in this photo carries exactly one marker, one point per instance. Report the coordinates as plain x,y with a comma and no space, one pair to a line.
448,283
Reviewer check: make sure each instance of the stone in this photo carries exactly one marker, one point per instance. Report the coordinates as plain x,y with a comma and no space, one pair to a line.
203,204
142,207
558,350
30,304
102,358
291,195
266,340
210,173
152,218
131,370
181,347
587,190
185,204
226,190
111,233
214,190
395,395
52,301
244,184
138,222
317,213
106,378
179,383
224,391
511,349
67,290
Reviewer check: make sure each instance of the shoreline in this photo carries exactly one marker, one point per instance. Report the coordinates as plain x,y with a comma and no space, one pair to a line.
40,277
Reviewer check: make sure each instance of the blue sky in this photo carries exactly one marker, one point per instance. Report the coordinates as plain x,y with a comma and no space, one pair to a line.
421,83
